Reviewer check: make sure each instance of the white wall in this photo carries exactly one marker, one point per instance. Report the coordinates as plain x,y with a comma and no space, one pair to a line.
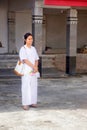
23,22
56,30
23,25
19,5
82,28
3,26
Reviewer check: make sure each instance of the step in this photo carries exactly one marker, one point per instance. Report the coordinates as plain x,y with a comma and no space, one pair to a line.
8,74
8,56
46,73
48,61
52,61
8,61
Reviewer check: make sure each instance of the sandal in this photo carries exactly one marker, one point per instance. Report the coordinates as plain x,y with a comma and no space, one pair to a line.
33,105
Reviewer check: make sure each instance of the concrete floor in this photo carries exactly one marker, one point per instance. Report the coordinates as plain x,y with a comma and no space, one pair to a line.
62,105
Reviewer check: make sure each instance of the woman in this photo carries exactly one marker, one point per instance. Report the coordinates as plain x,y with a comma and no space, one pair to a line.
28,55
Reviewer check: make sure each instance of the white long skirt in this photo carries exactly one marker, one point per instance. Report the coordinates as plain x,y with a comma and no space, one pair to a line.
29,90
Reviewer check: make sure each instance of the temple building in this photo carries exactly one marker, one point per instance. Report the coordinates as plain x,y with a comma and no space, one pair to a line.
58,26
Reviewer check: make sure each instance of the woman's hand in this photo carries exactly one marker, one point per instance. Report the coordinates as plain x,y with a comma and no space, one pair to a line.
36,66
35,69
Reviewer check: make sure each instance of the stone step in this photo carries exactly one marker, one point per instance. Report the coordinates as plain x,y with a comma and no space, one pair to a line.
52,61
8,56
53,73
8,74
8,61
55,51
48,61
46,73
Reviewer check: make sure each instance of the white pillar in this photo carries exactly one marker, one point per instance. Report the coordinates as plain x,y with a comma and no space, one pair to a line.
71,41
37,26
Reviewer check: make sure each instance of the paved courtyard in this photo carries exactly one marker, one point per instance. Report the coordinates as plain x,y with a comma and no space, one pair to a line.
62,105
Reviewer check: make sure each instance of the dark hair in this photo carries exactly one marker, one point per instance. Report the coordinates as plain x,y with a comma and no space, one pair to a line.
26,36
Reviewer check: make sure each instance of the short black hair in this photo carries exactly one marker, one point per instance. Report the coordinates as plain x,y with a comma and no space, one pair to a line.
27,35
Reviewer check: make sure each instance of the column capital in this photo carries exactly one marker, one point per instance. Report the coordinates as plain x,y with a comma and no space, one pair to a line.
37,28
37,13
72,16
72,13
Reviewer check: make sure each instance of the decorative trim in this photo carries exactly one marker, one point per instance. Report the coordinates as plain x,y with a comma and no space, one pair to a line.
37,19
11,20
72,20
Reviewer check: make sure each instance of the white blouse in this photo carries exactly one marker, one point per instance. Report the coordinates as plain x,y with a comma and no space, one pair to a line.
29,54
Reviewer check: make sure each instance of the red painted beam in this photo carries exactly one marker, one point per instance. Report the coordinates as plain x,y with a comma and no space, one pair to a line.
66,2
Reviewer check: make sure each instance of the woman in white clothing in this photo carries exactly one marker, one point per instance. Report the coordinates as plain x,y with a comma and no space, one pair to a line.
28,55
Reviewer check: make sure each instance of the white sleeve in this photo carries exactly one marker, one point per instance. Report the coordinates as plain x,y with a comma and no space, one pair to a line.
22,54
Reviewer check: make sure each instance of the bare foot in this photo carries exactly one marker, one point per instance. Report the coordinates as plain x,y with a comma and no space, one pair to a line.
26,107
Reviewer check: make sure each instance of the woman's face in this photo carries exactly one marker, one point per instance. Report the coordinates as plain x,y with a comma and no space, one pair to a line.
29,40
